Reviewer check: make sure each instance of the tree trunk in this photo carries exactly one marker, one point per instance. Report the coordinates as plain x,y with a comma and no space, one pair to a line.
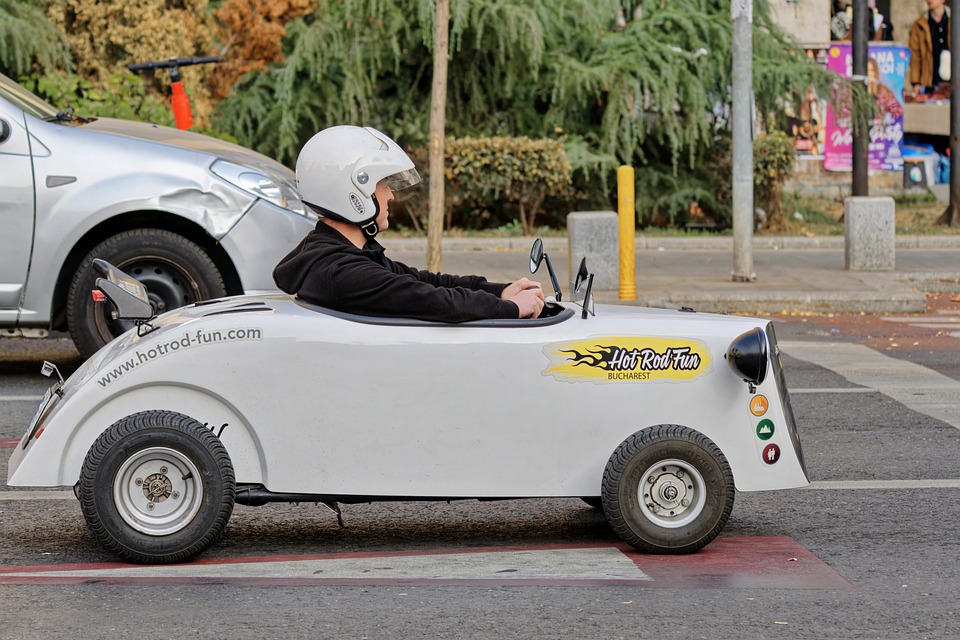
438,104
529,220
951,215
948,217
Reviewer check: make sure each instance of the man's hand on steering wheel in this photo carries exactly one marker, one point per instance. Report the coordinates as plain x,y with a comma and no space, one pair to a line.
527,295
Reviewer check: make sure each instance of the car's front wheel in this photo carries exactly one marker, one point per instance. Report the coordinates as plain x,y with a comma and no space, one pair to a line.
668,489
157,487
175,271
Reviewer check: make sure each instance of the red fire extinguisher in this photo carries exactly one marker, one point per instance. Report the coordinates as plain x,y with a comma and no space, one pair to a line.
179,99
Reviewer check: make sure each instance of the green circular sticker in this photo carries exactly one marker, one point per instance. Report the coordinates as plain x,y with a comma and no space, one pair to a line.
765,429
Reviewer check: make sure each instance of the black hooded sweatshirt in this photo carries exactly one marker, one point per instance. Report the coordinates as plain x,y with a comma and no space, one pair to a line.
328,270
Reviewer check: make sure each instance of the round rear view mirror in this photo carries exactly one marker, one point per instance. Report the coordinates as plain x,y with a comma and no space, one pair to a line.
4,131
536,255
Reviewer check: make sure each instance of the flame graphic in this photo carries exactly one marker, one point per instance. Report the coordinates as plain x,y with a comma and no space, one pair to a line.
599,357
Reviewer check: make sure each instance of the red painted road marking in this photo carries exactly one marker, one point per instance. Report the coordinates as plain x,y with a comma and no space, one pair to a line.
758,563
8,443
755,563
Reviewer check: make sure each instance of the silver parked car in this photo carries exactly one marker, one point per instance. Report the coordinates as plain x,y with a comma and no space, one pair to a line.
189,216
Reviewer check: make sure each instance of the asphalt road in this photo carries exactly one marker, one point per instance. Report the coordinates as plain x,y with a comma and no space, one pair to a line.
872,546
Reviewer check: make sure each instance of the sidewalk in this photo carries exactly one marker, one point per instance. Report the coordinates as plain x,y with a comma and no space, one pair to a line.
793,274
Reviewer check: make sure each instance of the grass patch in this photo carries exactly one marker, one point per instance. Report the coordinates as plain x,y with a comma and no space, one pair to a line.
915,214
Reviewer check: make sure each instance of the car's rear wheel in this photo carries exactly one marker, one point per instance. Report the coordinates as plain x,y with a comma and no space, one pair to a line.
175,271
668,489
157,487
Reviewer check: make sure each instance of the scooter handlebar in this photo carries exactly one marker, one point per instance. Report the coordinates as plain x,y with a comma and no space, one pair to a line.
172,63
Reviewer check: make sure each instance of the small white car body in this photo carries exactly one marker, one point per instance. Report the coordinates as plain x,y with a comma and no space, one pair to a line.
643,411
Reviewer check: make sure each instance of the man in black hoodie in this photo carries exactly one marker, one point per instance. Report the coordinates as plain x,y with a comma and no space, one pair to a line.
347,175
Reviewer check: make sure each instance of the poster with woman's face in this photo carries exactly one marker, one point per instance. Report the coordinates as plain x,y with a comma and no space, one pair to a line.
886,70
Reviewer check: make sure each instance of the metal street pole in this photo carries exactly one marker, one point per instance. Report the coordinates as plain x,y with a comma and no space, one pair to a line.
952,214
741,12
861,37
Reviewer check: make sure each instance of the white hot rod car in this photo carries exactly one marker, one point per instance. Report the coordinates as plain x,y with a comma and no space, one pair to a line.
655,416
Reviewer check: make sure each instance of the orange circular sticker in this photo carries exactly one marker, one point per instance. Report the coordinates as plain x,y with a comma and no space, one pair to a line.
759,405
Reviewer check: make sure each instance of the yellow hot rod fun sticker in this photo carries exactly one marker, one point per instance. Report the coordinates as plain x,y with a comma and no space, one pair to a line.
627,359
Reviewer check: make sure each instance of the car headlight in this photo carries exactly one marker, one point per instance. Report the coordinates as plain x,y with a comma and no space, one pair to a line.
747,356
262,185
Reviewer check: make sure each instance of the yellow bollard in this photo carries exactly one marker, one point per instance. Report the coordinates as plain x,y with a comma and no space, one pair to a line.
627,216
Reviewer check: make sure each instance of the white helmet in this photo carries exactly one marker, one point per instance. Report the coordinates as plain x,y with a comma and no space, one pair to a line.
338,170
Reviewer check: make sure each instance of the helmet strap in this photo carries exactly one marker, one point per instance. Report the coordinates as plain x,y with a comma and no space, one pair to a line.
371,229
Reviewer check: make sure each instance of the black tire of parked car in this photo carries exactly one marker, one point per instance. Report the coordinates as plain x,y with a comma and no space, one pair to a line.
176,272
668,489
157,487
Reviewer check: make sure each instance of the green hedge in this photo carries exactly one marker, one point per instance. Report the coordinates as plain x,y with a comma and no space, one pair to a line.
494,182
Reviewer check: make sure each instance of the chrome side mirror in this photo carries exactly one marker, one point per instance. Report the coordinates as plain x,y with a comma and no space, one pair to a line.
581,276
536,255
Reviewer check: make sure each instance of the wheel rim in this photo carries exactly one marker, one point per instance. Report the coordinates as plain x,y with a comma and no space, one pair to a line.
671,493
167,285
158,491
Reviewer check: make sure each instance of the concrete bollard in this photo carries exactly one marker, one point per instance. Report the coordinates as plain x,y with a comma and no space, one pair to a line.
870,233
595,235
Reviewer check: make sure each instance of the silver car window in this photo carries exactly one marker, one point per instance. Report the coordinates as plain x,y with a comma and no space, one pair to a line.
24,100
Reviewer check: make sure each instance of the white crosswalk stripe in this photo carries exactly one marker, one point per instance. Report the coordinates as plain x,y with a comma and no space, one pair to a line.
557,564
916,387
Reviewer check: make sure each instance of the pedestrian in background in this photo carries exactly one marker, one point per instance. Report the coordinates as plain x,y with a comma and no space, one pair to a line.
930,48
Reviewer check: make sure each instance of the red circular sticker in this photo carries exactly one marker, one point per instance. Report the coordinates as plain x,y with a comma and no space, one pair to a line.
771,453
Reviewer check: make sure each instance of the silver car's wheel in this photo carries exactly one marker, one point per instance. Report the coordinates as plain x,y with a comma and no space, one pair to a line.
157,487
667,489
174,270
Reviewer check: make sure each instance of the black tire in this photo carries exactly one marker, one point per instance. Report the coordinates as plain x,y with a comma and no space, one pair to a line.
175,271
157,487
668,489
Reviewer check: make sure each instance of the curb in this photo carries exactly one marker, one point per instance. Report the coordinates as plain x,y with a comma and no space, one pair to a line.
655,243
892,293
781,302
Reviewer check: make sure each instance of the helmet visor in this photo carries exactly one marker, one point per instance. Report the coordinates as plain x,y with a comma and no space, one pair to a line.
403,179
